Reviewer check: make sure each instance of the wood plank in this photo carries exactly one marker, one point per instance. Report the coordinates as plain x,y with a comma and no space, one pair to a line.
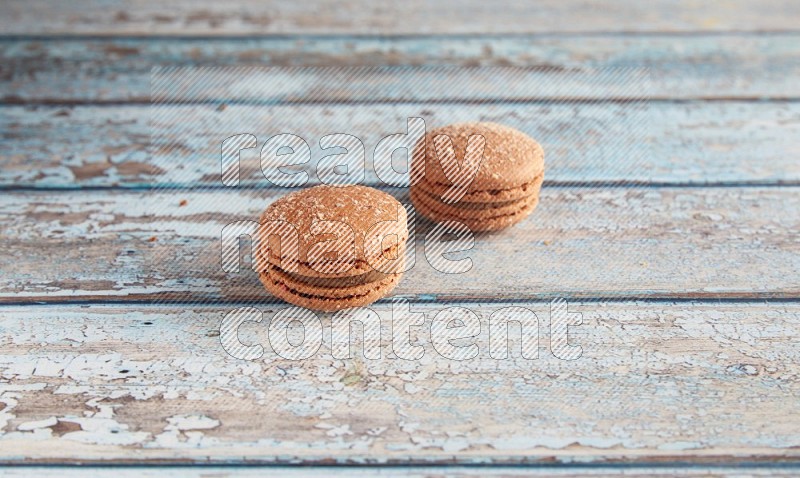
657,382
118,69
248,17
581,242
456,471
664,143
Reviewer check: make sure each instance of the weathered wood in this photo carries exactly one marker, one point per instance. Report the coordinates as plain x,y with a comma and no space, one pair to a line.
656,382
241,17
456,471
119,69
580,242
666,143
689,385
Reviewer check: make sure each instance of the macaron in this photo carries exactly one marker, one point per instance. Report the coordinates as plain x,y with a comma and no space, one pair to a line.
332,247
502,192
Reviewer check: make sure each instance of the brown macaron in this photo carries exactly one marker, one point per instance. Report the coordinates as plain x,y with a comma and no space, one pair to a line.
503,191
332,247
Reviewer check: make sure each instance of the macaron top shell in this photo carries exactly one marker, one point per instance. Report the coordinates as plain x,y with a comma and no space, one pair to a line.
369,213
511,158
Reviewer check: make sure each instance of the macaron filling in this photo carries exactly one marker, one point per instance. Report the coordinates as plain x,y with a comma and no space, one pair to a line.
485,195
359,268
472,214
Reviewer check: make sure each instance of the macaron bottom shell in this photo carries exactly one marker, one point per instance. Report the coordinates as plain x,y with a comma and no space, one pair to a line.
478,217
324,299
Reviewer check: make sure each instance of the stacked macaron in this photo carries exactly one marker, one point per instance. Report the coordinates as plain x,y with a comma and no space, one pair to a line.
329,248
504,189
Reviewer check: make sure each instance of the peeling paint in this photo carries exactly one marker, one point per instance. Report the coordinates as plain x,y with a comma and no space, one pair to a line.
656,379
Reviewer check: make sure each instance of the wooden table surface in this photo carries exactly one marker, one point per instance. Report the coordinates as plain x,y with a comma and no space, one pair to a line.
678,241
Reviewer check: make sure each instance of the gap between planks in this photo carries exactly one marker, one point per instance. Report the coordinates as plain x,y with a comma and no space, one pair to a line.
548,184
422,300
390,37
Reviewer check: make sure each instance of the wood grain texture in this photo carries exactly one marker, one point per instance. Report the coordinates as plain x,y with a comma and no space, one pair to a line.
662,388
456,471
251,17
693,143
656,382
581,242
119,69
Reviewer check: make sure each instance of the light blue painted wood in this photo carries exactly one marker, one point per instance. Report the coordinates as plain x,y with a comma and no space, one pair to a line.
248,17
661,382
703,66
456,471
660,143
597,242
656,382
